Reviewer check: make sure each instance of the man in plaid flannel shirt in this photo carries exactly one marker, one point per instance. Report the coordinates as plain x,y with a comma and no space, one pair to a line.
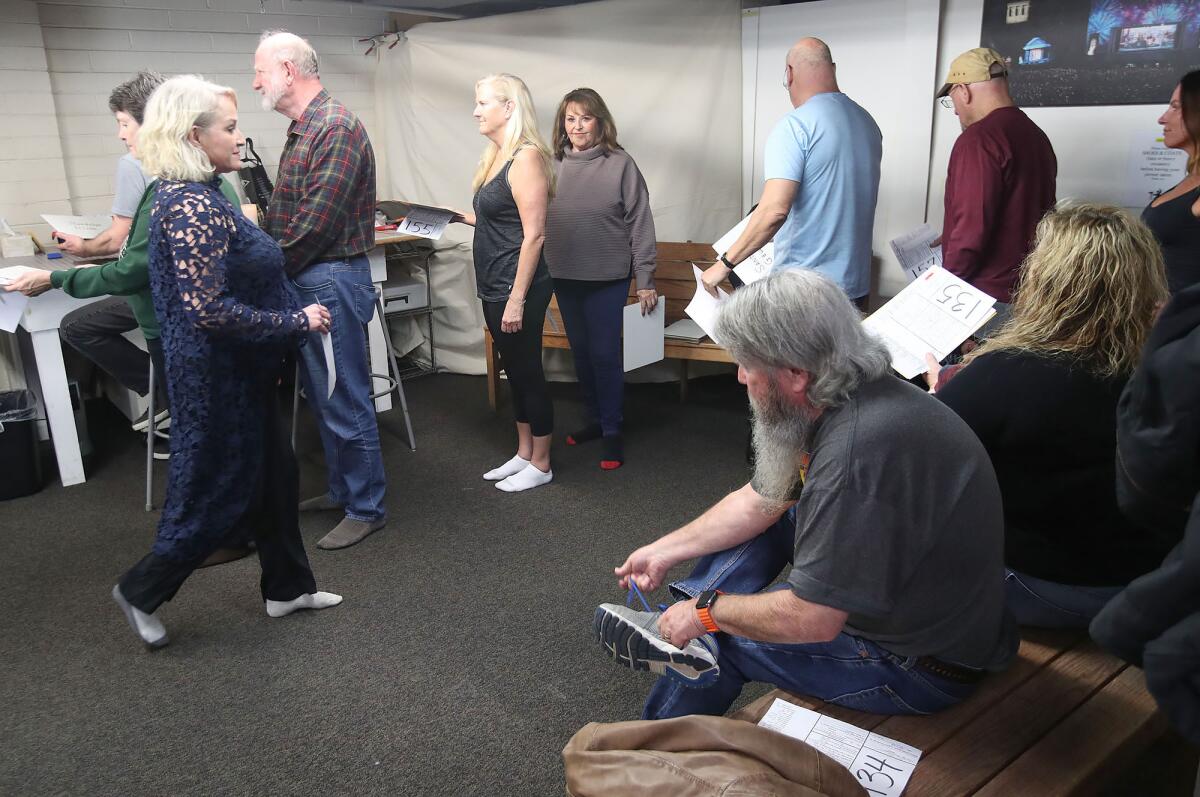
322,212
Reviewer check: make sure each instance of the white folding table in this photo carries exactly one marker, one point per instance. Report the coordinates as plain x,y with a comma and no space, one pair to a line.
49,379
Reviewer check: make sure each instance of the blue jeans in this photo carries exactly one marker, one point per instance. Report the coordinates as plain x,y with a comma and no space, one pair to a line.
346,420
591,312
1048,604
849,671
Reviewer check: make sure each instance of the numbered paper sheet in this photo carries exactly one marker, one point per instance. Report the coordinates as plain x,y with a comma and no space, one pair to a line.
935,314
704,306
83,226
330,364
914,252
425,222
882,766
753,268
643,334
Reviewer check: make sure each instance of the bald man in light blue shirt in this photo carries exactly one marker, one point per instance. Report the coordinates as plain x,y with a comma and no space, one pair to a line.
822,181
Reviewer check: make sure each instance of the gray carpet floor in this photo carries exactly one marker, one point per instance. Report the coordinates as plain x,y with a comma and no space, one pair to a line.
460,662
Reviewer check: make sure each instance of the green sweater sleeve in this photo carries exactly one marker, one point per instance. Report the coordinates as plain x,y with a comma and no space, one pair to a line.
130,273
125,276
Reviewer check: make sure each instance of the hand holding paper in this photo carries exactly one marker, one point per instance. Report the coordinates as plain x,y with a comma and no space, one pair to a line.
81,226
12,305
753,268
704,306
935,314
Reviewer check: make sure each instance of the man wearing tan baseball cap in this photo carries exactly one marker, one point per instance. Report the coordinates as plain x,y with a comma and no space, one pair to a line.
1000,180
974,66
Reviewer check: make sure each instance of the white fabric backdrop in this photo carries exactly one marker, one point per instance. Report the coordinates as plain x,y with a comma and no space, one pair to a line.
670,72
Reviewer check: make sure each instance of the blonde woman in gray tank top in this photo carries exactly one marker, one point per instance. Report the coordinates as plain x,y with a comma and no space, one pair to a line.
513,186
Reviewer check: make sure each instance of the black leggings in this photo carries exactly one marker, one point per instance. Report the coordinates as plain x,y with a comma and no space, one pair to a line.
521,358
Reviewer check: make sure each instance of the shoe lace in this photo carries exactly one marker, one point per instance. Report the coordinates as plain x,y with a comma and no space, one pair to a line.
652,623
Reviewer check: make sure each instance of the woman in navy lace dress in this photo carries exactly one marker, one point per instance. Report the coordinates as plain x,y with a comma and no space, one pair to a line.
227,323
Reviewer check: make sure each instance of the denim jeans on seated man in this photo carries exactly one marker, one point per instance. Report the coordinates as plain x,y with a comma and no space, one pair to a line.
346,420
849,670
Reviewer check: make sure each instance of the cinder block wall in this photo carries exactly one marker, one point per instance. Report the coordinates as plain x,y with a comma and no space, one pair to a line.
32,176
59,59
67,55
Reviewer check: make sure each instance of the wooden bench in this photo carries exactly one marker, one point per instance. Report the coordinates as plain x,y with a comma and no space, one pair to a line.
1061,720
674,281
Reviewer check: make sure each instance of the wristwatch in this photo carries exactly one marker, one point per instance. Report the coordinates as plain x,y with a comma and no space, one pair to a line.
704,605
724,259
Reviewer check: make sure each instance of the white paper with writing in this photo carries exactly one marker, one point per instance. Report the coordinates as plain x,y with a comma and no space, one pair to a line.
914,252
330,363
935,313
704,306
643,334
882,766
1153,170
425,222
12,304
755,267
83,226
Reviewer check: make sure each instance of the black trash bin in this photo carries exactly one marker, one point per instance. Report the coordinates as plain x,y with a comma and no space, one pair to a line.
19,460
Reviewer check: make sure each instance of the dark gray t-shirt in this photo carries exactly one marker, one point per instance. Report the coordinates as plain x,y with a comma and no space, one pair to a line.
900,524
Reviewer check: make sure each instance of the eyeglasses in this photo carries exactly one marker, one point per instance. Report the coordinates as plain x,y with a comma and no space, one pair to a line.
947,101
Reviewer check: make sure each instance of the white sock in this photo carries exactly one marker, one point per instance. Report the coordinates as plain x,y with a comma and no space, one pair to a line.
147,626
514,465
313,600
527,477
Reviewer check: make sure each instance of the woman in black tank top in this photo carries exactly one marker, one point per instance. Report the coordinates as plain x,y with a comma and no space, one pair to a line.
513,186
1173,216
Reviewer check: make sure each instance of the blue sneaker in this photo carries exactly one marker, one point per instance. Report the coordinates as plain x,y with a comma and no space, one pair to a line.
631,637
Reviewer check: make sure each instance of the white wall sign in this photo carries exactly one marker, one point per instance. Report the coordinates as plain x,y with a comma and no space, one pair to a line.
1153,170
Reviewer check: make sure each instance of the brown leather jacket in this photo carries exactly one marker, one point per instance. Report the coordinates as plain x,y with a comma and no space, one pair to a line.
698,756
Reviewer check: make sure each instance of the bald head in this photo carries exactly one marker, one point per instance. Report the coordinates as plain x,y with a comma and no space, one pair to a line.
280,46
810,70
810,52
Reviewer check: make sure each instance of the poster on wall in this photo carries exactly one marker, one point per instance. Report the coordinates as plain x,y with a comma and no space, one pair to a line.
1093,52
1153,170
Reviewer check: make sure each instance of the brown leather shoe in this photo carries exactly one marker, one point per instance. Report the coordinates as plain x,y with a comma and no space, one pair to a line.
350,532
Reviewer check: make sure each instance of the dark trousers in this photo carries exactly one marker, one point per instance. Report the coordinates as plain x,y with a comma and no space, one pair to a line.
273,518
591,312
521,357
97,331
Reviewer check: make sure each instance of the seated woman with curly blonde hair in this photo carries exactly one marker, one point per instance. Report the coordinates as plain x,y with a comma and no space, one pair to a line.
1042,394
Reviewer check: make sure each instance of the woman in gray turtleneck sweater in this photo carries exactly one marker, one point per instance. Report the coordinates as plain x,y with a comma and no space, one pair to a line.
599,232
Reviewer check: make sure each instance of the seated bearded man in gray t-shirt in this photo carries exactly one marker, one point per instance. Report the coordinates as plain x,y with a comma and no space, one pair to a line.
882,500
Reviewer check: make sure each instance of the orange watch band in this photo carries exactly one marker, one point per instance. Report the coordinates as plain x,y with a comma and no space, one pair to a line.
704,603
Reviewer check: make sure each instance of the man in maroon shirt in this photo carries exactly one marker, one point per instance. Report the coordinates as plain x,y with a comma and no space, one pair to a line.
1000,181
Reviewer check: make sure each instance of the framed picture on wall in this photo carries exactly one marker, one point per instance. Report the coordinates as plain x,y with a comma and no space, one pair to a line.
1093,52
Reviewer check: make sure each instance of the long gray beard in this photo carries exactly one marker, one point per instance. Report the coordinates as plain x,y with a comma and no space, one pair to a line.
780,436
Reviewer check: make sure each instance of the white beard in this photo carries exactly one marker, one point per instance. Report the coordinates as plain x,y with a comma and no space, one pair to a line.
780,435
272,95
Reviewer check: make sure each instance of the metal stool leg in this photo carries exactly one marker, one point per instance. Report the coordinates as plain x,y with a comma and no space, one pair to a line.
295,403
396,383
150,444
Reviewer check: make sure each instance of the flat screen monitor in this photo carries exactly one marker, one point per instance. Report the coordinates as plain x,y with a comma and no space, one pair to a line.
1147,37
